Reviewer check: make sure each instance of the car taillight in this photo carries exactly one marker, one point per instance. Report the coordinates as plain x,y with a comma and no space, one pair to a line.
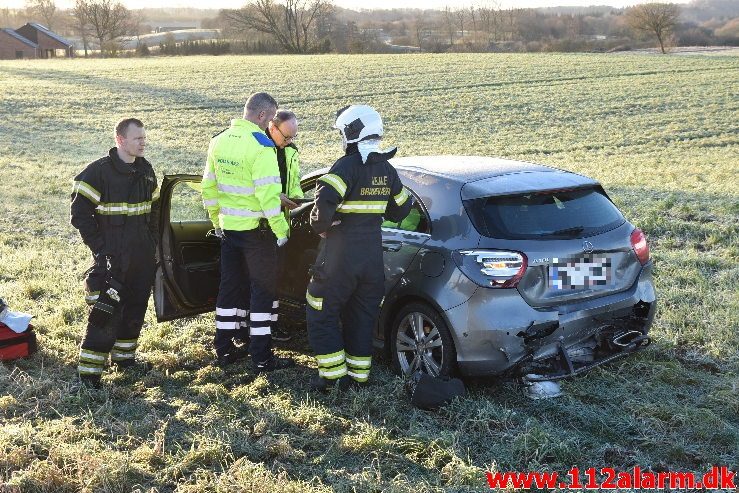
640,246
491,268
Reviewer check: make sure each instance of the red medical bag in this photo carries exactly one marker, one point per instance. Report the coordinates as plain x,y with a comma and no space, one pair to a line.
14,345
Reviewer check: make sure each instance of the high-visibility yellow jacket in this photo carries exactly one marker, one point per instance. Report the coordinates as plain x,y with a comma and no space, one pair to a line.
241,181
292,177
292,160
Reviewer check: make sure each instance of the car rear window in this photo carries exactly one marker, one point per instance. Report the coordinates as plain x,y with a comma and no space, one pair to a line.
550,214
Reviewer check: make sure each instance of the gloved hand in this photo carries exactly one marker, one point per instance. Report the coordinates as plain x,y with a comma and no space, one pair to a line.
335,223
107,303
217,232
281,241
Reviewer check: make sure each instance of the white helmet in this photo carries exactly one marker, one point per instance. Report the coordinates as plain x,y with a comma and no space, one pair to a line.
358,122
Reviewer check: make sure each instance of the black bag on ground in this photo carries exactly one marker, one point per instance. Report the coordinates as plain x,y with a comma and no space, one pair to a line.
431,393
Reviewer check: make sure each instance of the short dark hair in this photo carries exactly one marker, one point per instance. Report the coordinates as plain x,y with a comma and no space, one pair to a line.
283,116
258,102
122,126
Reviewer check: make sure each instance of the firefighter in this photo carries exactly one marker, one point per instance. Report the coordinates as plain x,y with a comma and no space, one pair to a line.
241,192
347,280
114,204
283,130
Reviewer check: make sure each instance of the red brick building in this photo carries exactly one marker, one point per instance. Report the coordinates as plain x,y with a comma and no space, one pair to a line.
50,44
13,45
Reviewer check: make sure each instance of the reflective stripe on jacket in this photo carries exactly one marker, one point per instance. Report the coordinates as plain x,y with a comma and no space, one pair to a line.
113,203
241,181
360,194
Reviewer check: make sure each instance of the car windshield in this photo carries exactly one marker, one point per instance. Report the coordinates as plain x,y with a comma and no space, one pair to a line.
551,214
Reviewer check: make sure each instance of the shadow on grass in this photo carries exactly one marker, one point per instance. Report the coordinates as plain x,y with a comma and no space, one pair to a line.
673,406
646,411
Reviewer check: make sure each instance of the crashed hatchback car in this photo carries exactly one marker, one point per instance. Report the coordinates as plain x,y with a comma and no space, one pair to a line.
502,268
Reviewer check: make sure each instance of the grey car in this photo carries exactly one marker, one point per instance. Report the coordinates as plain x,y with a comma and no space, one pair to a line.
502,268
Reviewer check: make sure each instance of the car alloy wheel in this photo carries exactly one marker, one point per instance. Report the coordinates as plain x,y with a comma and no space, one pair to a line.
422,342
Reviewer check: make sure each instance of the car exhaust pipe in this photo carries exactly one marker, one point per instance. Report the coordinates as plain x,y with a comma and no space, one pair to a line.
630,340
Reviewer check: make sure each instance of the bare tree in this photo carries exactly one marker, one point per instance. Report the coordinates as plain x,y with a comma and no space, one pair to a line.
490,20
472,12
5,16
448,16
81,23
46,9
136,25
461,15
509,22
104,19
654,18
290,22
419,26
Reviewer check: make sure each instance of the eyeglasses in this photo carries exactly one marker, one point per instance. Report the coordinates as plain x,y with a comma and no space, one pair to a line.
287,139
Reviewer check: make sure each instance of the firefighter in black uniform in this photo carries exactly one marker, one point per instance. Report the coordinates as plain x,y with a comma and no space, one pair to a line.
114,203
347,280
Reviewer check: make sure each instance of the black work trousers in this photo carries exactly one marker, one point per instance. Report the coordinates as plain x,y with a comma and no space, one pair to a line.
343,302
248,264
135,269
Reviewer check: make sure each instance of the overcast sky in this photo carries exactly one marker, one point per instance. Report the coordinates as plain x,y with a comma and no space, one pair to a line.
353,4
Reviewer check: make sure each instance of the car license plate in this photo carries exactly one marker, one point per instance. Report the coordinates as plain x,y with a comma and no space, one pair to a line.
580,272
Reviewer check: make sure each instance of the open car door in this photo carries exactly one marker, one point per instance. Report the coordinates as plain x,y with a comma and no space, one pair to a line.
188,274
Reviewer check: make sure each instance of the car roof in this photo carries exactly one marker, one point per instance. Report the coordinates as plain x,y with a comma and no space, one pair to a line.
480,176
465,169
439,178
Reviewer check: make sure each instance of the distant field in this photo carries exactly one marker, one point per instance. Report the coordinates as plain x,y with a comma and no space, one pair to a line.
155,39
660,132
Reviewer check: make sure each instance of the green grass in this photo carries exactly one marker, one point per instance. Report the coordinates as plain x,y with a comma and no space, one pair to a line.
661,134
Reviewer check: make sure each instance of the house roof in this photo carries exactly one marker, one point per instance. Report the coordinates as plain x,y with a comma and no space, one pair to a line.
49,33
19,37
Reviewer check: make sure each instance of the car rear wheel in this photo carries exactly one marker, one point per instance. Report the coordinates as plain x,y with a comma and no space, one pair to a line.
420,340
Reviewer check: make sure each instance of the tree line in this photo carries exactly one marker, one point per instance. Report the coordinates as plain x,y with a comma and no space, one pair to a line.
318,26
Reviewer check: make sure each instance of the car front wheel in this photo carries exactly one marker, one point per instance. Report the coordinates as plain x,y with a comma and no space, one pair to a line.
421,341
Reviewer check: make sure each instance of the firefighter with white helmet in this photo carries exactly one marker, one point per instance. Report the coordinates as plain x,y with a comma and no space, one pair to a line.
347,280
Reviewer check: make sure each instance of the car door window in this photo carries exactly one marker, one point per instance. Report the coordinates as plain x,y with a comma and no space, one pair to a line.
187,203
188,284
416,221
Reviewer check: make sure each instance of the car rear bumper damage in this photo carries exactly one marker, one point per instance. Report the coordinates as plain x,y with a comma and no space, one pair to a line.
499,333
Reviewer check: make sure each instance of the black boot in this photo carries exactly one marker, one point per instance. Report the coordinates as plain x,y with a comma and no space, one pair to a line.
274,363
132,365
233,354
320,384
89,382
280,335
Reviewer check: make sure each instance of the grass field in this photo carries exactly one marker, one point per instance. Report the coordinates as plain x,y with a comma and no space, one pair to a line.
660,132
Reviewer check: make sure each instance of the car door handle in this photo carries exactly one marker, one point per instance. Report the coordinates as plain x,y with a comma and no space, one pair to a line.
392,246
